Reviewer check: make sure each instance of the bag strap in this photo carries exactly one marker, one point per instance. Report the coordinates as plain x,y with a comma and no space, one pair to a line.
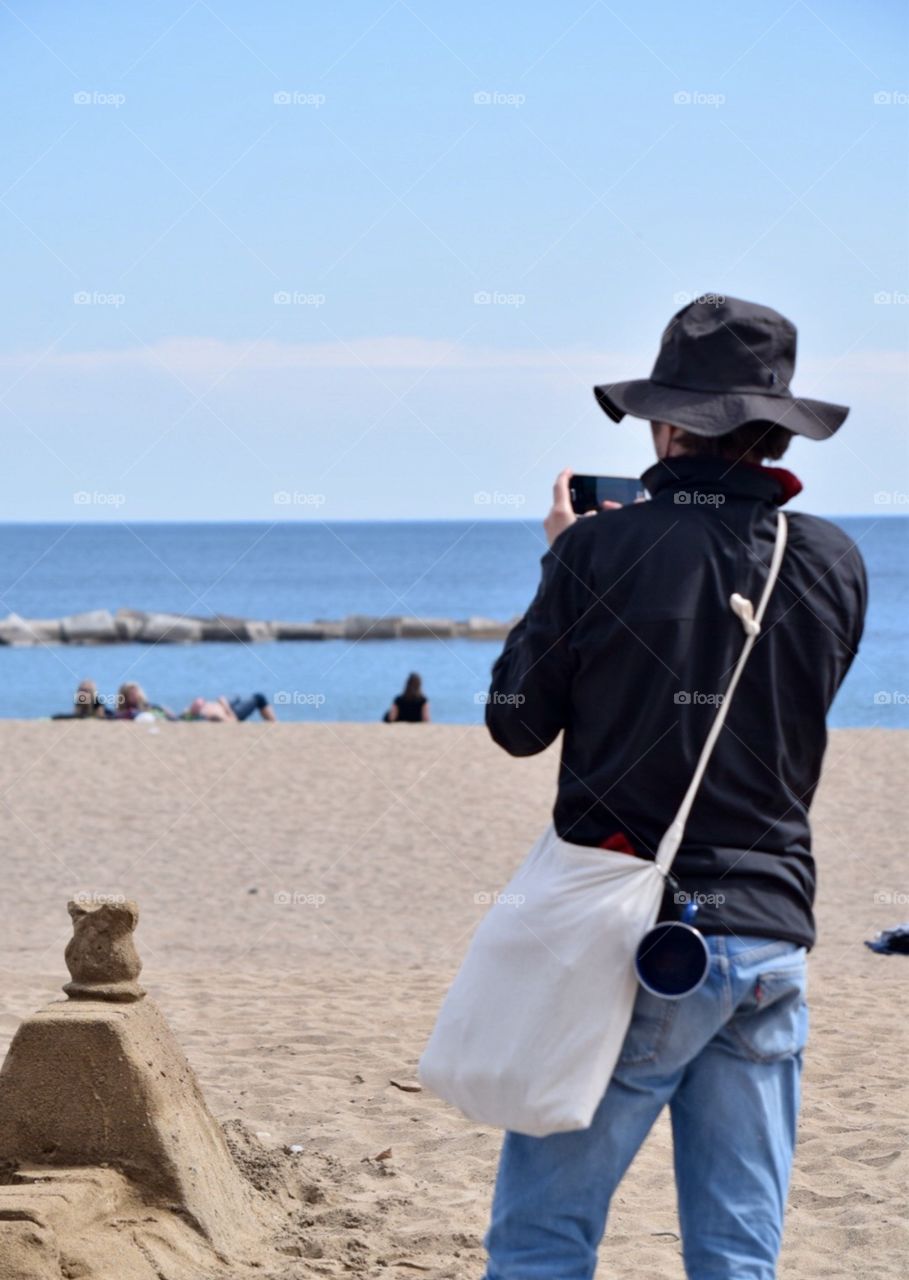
751,620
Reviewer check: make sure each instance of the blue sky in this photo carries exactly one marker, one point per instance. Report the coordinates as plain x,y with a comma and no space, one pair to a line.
246,248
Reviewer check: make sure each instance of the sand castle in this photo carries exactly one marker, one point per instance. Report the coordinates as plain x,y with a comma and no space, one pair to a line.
111,1165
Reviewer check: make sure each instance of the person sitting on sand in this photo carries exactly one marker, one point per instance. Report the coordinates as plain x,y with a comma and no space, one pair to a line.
132,704
87,704
411,706
220,710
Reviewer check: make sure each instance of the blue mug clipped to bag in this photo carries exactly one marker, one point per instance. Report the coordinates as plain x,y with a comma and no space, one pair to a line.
672,960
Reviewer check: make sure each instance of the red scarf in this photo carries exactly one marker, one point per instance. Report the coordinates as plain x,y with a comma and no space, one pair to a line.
790,484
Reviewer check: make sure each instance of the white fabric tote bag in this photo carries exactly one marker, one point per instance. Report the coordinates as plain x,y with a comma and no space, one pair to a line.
531,1029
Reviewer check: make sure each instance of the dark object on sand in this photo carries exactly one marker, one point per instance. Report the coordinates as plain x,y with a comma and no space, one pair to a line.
892,942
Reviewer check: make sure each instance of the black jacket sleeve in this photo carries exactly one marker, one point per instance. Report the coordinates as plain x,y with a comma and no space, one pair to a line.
529,698
861,600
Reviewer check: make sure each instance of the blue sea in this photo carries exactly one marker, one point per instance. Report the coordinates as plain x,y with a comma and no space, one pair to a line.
302,571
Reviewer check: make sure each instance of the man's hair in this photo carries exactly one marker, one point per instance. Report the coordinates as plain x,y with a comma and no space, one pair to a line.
762,439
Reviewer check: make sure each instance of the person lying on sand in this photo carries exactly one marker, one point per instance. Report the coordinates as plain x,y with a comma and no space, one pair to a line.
220,710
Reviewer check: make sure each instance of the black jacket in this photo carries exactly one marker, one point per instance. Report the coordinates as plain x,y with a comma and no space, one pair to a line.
626,645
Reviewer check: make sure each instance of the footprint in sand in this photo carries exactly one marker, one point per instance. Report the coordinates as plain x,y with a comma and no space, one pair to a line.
876,1162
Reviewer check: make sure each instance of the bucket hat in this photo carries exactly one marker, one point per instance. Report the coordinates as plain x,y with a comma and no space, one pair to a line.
723,362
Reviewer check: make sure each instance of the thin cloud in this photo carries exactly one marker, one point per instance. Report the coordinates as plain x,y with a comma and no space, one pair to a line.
211,357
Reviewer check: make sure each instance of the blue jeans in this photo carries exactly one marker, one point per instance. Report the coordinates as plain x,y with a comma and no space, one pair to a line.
727,1060
244,707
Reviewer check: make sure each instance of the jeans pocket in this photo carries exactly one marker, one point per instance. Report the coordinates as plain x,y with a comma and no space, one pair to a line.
649,1029
771,1022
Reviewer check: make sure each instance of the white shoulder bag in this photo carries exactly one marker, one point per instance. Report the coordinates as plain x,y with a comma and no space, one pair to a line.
530,1031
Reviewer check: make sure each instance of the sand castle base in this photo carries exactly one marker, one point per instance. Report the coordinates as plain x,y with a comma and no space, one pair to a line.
60,1224
111,1165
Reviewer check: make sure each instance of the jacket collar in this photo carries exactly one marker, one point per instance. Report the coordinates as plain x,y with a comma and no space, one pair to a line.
719,475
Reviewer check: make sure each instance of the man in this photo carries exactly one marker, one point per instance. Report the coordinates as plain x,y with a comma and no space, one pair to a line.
226,709
626,650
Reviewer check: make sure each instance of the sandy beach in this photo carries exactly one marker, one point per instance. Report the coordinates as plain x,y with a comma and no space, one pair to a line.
306,893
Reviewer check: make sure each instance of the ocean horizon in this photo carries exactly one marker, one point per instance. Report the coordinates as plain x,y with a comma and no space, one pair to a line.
308,569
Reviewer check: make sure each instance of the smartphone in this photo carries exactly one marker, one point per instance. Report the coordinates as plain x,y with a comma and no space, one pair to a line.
588,492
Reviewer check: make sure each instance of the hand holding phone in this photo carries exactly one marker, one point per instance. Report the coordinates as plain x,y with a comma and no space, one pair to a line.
574,495
588,493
